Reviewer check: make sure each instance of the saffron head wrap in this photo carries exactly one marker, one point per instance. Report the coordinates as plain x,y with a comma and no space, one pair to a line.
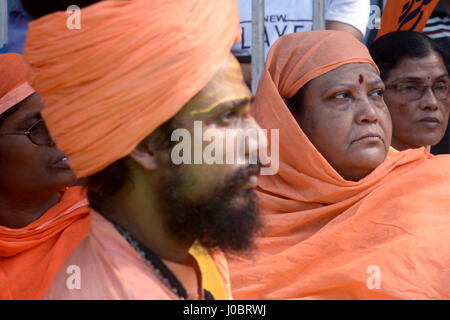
310,55
14,86
132,66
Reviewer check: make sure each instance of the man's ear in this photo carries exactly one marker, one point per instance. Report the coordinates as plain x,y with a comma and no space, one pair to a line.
153,152
145,157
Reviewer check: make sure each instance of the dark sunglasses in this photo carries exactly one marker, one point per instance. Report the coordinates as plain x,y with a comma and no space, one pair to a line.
37,133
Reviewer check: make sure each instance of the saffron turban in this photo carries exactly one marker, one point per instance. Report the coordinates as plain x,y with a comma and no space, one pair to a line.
132,66
385,236
14,87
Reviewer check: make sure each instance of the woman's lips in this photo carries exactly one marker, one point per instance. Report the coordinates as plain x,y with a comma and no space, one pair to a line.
430,122
62,163
370,137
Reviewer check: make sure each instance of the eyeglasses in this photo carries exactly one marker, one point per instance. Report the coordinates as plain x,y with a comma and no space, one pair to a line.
416,90
37,133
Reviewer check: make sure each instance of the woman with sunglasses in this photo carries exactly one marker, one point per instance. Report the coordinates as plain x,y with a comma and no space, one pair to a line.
414,71
41,220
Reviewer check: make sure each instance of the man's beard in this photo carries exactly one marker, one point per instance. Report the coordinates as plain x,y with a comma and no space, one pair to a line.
218,221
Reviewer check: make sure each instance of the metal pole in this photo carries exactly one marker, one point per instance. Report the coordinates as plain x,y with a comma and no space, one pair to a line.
318,15
258,52
3,25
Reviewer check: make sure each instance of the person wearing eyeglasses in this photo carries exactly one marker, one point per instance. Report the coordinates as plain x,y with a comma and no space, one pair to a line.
41,219
413,68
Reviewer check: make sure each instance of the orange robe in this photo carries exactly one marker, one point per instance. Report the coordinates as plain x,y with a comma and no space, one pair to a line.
30,257
108,267
386,236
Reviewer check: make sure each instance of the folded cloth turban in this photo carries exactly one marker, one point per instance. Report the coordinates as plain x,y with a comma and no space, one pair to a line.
130,67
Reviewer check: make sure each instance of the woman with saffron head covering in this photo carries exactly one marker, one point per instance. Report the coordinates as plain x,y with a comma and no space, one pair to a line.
345,218
37,212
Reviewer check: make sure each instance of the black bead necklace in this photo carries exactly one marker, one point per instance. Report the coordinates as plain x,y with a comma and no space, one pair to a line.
161,271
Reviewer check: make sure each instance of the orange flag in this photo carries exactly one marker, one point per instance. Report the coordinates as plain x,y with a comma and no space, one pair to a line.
406,15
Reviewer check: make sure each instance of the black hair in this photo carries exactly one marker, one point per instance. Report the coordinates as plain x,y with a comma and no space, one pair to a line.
38,9
389,50
295,103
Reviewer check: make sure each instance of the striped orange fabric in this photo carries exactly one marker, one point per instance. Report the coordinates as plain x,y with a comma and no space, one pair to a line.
405,15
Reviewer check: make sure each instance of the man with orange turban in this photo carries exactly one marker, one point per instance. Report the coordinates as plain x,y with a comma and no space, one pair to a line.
115,91
345,217
41,220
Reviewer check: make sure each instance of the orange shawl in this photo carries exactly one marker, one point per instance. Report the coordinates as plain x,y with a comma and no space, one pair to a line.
30,257
383,237
131,67
110,268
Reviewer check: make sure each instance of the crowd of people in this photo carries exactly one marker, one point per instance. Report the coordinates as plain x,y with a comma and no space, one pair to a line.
93,206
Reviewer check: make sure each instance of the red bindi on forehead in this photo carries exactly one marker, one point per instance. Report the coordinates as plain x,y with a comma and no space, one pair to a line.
361,79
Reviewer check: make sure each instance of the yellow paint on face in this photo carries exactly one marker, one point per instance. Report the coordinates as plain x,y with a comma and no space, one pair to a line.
227,85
